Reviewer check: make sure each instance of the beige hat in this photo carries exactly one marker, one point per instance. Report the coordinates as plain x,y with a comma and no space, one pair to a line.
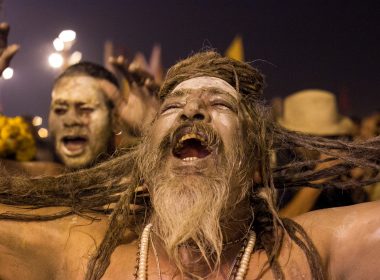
314,111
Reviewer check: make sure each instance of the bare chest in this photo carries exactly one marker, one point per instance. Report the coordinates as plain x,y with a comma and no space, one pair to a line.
124,261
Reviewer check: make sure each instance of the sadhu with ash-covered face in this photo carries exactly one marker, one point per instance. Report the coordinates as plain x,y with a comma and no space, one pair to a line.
205,161
82,117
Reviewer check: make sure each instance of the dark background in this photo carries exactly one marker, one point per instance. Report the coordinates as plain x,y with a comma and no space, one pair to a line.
332,45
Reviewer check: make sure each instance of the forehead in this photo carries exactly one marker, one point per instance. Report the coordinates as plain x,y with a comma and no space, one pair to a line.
204,82
78,89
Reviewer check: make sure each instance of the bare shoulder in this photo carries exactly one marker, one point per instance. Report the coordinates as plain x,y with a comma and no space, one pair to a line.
336,221
41,250
61,228
347,238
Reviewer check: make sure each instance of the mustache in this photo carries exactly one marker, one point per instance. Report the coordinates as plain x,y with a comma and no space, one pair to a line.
212,137
72,132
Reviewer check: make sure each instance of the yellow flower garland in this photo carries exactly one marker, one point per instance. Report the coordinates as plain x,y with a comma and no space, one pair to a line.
16,140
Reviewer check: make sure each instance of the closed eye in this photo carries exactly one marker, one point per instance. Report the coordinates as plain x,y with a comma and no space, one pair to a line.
59,110
169,108
223,105
86,110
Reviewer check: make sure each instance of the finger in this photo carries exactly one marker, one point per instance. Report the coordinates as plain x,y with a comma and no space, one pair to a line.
4,31
139,70
121,59
120,64
7,56
139,75
10,51
152,86
4,26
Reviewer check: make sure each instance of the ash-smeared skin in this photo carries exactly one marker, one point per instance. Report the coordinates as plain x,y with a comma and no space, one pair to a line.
205,104
79,111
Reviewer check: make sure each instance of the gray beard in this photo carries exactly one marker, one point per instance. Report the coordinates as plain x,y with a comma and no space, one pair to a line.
188,211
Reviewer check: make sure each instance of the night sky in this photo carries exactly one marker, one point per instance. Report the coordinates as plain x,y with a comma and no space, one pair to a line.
332,45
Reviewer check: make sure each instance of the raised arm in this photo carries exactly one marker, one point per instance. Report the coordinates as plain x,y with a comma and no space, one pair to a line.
6,52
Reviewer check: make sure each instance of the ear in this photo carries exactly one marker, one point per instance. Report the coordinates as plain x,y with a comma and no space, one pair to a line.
257,178
117,127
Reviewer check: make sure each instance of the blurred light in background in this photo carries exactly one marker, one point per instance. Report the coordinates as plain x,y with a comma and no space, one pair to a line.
37,120
67,36
43,132
55,60
58,44
7,73
64,57
75,57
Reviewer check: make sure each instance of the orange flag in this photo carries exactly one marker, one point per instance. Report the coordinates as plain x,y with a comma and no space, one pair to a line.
236,49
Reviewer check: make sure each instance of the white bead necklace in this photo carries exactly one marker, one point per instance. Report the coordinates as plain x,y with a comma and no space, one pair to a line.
142,255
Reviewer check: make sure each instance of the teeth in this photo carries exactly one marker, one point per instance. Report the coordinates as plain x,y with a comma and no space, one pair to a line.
191,135
190,158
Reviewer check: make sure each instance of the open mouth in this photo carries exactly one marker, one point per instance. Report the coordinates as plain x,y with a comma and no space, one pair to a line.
74,144
191,146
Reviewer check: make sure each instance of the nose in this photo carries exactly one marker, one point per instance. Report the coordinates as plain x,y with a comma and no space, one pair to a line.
72,118
195,110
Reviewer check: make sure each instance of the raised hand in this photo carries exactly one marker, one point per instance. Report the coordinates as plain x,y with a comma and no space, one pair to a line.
134,73
6,52
139,94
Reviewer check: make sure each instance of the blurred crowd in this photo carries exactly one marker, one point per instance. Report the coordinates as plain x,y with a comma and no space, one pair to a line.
315,112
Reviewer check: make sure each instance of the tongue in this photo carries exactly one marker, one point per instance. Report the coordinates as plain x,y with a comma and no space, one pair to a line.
193,151
189,152
75,144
